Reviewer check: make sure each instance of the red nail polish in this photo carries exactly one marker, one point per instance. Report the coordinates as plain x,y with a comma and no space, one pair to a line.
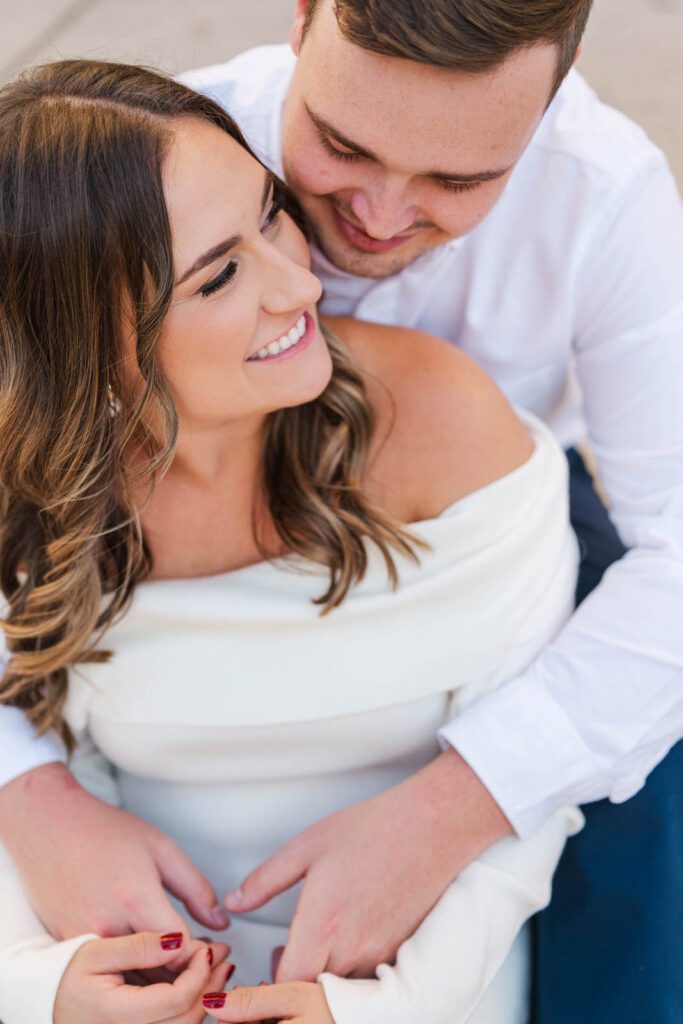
214,1000
209,956
173,940
231,971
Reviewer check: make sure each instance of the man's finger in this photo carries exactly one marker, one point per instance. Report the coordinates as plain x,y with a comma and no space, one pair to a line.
281,871
182,878
254,1004
308,949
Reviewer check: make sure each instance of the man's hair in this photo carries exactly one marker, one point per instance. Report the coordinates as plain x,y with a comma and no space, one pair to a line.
463,35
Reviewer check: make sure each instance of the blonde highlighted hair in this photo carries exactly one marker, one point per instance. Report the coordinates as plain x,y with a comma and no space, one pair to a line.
84,234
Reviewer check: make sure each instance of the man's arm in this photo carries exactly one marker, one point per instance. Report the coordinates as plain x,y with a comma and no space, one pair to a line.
386,859
107,870
446,967
603,704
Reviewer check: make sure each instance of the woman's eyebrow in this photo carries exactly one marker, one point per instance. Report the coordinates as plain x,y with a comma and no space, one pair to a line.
224,247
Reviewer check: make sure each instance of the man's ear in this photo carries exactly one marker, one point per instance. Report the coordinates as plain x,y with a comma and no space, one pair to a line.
578,52
296,32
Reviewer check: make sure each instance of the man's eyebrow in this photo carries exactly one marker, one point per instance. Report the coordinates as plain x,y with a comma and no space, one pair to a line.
224,247
464,179
324,126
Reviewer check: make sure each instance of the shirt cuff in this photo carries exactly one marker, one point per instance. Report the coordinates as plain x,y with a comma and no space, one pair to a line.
22,749
526,752
30,976
372,1001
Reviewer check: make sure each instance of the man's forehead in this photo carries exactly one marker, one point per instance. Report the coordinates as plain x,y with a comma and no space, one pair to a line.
403,109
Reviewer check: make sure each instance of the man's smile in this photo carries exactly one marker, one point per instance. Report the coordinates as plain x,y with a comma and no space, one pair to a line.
361,240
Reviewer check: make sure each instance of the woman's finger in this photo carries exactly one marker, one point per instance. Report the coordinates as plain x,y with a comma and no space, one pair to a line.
219,976
163,1002
137,952
254,1004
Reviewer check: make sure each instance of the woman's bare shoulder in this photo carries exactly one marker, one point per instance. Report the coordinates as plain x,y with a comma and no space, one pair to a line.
444,429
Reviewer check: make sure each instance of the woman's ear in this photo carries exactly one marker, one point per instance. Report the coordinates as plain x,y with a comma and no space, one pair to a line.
296,34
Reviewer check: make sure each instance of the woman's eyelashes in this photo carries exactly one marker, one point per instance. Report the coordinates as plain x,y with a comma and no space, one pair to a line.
228,272
276,207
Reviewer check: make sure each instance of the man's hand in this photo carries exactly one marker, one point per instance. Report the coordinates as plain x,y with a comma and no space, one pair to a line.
90,867
374,870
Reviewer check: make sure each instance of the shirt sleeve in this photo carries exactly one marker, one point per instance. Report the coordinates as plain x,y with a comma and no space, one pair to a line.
21,749
603,704
446,967
32,963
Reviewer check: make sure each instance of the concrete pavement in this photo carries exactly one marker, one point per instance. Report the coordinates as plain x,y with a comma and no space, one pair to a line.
633,52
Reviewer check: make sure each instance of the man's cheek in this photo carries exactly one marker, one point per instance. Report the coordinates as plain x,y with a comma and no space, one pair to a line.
469,213
309,175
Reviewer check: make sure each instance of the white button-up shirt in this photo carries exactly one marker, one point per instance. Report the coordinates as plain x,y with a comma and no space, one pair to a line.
570,294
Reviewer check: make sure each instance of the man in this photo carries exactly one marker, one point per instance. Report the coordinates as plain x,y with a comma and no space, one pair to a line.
458,177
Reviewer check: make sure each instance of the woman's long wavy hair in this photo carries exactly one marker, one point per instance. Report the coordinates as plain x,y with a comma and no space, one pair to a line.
84,233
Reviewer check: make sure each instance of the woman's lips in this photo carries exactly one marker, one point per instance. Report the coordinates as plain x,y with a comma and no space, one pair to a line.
298,346
361,240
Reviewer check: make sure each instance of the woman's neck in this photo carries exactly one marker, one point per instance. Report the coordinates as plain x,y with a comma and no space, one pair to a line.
200,517
208,457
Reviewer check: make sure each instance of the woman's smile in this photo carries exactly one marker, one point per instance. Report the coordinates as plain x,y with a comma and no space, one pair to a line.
291,343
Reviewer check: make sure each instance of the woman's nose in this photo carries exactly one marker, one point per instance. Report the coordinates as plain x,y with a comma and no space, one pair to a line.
289,285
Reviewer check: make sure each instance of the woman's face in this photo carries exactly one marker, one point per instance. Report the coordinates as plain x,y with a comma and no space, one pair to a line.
242,337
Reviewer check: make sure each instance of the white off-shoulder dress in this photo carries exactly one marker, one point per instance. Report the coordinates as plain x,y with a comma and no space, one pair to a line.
233,715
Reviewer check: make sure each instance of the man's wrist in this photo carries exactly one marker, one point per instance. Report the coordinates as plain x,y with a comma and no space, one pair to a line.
465,807
23,797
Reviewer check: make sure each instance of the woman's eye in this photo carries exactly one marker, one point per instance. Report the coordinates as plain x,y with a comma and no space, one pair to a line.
225,275
228,272
276,208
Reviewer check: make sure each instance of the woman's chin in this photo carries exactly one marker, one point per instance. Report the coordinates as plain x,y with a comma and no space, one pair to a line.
302,379
312,387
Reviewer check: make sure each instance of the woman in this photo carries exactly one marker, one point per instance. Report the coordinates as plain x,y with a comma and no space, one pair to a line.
202,480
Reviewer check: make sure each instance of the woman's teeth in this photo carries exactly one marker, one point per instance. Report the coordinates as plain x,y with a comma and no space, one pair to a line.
282,344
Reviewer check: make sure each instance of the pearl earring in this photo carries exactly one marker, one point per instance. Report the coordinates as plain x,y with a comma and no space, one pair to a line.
113,402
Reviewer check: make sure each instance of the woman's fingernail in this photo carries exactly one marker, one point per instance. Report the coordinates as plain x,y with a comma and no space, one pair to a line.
231,971
173,940
214,1000
209,956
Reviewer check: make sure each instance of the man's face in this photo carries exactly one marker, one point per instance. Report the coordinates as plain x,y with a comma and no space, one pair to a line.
390,158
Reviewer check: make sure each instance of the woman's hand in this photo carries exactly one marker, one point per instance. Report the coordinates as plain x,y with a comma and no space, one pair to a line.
94,988
297,1002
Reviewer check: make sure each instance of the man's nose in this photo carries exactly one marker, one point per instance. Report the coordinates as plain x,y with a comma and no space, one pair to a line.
384,212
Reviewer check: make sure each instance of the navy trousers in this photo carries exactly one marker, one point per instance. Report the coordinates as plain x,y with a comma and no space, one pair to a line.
609,948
